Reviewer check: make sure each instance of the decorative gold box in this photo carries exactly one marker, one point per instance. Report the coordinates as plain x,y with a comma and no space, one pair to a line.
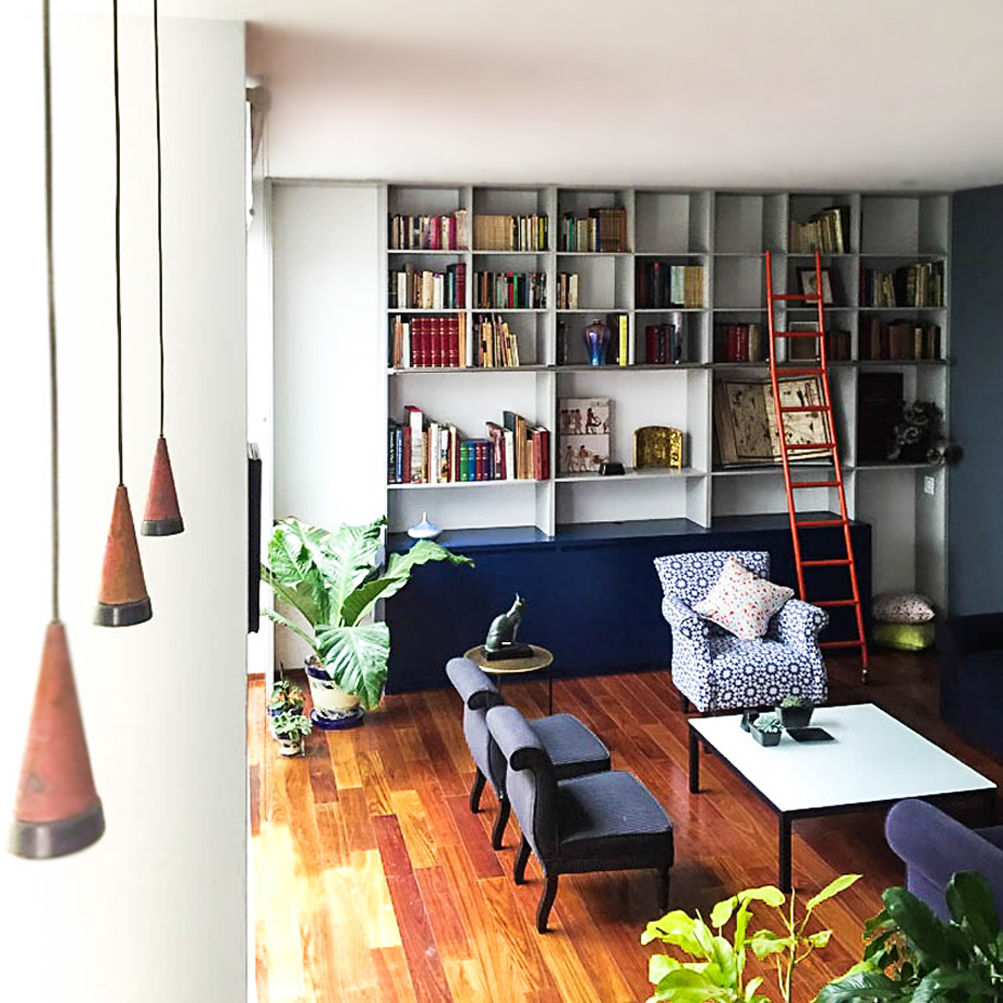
658,446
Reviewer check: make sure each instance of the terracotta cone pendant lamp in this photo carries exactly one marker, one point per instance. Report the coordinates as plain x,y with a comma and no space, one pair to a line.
163,514
122,599
57,809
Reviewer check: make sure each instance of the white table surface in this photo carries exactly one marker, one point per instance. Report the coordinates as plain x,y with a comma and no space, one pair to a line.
874,758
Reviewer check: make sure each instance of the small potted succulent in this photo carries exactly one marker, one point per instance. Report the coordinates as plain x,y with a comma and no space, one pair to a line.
291,728
766,729
795,712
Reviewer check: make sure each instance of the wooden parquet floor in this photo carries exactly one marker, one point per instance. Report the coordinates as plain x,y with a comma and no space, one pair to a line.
373,882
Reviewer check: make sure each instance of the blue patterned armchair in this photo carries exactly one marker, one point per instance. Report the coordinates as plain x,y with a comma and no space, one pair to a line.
713,669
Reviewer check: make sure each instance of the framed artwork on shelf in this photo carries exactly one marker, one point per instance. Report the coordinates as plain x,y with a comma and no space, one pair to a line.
583,444
806,279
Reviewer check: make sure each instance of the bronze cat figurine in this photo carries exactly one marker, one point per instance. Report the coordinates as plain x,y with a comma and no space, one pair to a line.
505,626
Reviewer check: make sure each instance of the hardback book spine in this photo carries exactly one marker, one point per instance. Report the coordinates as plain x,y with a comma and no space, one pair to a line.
622,340
415,422
453,341
406,455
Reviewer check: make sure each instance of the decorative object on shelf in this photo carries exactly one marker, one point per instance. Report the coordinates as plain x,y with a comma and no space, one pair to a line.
290,728
706,978
122,598
424,530
658,446
806,279
501,640
163,513
795,712
918,428
57,808
334,581
610,468
766,729
746,421
583,442
596,336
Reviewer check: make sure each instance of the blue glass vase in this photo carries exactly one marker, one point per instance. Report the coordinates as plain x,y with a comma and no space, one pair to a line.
596,337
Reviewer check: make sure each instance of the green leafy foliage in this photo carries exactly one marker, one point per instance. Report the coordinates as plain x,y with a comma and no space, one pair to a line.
286,696
913,956
716,970
793,701
291,726
768,724
334,580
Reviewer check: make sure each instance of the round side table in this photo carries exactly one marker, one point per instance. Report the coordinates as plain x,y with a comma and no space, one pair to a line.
501,668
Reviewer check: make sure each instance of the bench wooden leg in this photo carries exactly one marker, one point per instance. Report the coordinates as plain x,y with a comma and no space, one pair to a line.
546,901
521,859
475,792
498,832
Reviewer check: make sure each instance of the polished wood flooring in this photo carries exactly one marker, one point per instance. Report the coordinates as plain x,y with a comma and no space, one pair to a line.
372,880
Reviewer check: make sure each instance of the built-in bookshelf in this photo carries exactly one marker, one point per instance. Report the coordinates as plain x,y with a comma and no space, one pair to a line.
685,269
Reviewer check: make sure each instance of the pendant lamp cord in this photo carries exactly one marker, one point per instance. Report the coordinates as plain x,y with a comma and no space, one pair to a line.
51,297
160,208
118,246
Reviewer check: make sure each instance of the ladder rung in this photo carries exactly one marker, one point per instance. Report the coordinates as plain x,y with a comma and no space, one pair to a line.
810,445
797,334
841,644
822,522
830,563
800,297
821,407
814,484
836,602
788,371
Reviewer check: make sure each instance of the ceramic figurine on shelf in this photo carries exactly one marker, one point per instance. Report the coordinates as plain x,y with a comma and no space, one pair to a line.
501,642
424,530
596,337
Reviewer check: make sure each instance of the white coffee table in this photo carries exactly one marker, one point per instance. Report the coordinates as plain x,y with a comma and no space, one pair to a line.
875,760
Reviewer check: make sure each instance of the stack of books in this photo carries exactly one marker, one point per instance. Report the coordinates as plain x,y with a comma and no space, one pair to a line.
826,232
423,451
567,290
511,233
602,230
663,344
497,345
918,285
419,342
415,289
904,340
430,233
660,284
512,290
837,347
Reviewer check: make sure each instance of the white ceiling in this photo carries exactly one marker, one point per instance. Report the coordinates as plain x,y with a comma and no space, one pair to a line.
733,93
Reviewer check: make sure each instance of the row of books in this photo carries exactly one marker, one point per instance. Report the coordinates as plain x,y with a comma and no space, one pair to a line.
918,285
837,347
827,231
430,233
567,290
898,339
511,233
660,284
602,230
425,289
419,342
422,451
497,344
512,290
663,344
740,343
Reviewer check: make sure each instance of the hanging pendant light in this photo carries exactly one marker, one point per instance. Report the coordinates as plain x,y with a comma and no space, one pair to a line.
122,599
57,809
163,514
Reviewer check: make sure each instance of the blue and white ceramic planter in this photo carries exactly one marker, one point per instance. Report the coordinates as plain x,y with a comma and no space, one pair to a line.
333,708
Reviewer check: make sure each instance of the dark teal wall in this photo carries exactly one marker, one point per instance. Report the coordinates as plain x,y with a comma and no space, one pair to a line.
975,515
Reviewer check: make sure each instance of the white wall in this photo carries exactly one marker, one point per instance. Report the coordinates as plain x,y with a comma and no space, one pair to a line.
155,910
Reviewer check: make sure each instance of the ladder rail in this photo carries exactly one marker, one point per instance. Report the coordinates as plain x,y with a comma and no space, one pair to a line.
831,445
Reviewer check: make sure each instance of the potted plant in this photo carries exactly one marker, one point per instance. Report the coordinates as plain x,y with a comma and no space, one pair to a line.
766,729
795,712
291,728
285,696
334,580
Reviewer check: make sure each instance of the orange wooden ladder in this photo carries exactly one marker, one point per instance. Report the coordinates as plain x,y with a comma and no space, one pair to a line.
829,446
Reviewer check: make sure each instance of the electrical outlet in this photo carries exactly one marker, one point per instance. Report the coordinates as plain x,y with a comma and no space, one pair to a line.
929,485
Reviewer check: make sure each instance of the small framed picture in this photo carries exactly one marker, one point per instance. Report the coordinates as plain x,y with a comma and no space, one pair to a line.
806,278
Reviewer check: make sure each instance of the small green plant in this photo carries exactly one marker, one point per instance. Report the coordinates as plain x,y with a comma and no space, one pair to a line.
291,726
768,724
911,956
286,696
718,969
792,702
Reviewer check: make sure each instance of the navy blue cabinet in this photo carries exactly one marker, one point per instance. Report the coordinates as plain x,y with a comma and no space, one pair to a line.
593,596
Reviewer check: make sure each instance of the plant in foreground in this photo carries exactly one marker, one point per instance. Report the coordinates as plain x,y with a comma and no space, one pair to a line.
768,724
912,955
718,969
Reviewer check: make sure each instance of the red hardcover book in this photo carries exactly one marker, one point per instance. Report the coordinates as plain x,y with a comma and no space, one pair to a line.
434,231
435,324
537,443
496,436
453,342
461,285
733,355
743,342
406,456
651,343
481,461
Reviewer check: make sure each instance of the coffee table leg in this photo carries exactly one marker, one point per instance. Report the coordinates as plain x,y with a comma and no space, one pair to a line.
784,853
694,762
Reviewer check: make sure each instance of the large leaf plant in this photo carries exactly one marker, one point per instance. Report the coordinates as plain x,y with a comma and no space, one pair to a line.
334,579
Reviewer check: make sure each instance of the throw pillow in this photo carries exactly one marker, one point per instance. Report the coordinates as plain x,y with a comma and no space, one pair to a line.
902,607
742,602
